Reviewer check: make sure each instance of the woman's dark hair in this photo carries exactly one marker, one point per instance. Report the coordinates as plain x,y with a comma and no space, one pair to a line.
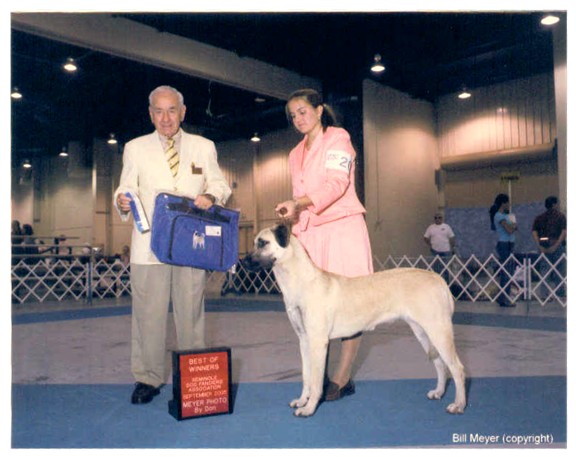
498,202
315,100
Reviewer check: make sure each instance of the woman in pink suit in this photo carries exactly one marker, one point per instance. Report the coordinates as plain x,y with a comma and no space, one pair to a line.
328,218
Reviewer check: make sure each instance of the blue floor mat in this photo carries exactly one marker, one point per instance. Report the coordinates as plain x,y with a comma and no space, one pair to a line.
380,414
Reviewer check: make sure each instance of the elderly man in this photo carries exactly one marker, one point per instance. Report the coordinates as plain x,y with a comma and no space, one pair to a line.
167,159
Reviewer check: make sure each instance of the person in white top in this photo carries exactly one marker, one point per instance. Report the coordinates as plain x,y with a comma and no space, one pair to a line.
440,237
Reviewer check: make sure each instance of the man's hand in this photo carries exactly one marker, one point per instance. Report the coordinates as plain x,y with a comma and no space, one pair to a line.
123,203
204,201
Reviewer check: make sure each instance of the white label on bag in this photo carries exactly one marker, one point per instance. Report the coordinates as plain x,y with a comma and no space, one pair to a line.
213,230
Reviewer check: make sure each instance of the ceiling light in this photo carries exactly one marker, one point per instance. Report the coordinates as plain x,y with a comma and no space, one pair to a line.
63,152
15,94
112,139
378,66
549,20
26,164
259,99
255,138
464,94
70,65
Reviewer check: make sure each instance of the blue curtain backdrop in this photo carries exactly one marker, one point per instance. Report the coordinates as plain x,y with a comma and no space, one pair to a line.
472,229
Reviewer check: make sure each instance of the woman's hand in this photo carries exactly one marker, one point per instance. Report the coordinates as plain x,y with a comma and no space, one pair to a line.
287,210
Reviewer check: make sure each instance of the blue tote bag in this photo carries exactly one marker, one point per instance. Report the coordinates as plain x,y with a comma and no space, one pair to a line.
185,235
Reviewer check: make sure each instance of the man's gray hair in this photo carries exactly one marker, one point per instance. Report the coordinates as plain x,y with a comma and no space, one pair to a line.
160,89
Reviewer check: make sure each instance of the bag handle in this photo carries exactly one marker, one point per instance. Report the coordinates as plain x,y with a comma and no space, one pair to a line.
186,206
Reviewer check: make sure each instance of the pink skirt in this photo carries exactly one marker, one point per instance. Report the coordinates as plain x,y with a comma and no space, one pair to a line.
341,246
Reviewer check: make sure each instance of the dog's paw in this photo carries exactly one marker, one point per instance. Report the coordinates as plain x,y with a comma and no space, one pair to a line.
305,411
455,408
298,403
435,394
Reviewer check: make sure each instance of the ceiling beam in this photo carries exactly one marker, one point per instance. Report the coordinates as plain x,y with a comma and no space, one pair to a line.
124,38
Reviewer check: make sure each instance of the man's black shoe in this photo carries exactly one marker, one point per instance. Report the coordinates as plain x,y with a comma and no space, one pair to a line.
144,393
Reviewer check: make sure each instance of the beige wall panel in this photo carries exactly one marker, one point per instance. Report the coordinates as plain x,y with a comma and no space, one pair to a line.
400,159
256,198
22,198
73,206
273,183
513,115
510,115
560,109
120,232
235,159
478,187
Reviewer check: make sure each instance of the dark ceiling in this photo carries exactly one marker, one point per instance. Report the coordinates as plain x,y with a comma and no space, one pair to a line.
427,55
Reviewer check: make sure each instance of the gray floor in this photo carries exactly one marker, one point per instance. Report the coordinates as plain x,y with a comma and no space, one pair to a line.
265,348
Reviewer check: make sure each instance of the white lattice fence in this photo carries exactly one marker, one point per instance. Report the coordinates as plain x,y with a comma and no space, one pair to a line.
55,280
110,279
471,279
475,279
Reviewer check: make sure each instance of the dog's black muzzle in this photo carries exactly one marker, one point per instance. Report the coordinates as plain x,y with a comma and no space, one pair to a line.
249,264
252,262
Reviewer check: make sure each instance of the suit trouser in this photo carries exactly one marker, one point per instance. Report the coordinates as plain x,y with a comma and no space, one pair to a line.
153,286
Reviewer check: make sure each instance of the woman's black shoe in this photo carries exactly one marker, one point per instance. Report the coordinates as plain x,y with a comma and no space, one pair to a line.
335,392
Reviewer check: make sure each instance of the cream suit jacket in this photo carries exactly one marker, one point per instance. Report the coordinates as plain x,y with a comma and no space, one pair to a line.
146,172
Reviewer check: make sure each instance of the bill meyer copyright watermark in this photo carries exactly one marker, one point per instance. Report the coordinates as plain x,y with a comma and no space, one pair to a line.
503,439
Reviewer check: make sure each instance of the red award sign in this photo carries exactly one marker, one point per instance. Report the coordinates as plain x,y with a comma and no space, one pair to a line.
201,383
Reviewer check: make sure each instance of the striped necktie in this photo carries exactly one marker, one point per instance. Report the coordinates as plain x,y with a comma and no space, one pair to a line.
172,157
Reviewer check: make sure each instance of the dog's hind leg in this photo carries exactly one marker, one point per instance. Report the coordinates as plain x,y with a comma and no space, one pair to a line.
448,353
441,369
441,337
317,361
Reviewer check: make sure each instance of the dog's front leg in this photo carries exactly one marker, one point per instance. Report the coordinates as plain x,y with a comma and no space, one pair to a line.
317,348
305,359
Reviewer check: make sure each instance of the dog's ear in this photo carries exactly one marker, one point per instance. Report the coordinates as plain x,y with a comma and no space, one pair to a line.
282,235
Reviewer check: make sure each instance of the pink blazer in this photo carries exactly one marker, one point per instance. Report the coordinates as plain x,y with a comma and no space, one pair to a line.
326,175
